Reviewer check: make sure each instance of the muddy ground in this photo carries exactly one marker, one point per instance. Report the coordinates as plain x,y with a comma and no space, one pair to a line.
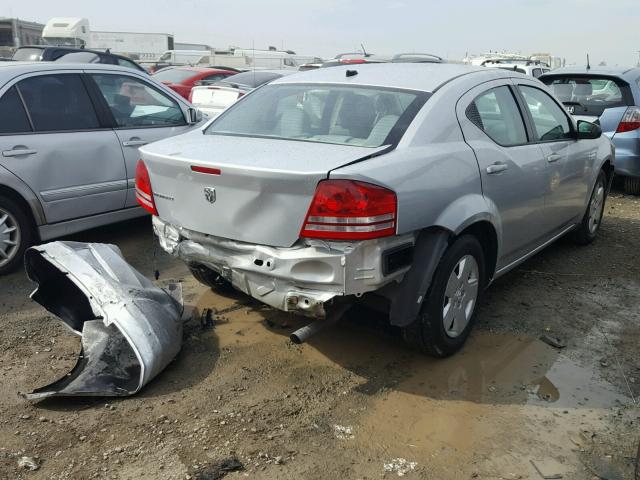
353,402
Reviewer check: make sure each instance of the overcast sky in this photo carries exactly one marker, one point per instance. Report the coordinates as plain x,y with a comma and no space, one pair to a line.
607,29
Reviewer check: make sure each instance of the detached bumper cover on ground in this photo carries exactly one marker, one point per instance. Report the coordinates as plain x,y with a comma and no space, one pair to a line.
130,328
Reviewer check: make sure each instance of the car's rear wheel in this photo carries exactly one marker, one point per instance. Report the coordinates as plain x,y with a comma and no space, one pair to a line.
210,278
632,185
448,312
587,231
16,234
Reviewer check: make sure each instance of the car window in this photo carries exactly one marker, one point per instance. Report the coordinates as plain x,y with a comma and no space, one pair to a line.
338,114
79,57
134,103
58,102
28,54
549,119
123,62
217,76
174,75
536,72
13,118
585,95
496,113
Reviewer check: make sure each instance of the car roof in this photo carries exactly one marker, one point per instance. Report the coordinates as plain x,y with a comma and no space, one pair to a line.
582,70
425,77
10,70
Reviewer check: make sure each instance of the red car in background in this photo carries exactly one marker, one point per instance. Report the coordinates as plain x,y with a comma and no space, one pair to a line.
183,79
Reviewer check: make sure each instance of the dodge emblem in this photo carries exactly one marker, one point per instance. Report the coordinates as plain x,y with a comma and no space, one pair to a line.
210,194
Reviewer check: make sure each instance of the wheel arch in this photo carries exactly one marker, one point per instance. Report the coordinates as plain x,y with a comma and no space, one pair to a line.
487,236
17,197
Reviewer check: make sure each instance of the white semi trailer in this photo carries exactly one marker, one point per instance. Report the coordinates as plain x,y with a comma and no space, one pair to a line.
76,32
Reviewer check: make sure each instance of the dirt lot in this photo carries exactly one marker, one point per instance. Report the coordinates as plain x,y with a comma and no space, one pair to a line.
354,402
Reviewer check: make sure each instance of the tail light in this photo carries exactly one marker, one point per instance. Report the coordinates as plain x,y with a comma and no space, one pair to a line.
630,120
144,192
350,210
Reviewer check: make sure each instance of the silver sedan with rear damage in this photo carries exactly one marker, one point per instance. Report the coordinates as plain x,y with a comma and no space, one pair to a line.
413,184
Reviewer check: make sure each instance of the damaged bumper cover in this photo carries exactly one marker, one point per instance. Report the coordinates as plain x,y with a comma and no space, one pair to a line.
130,328
299,279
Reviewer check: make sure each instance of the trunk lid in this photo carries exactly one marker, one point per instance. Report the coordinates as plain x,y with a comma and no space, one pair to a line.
262,193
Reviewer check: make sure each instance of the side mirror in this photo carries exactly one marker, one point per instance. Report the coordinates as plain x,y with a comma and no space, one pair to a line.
195,115
588,130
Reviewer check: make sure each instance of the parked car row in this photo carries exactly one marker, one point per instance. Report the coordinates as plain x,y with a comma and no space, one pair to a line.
69,138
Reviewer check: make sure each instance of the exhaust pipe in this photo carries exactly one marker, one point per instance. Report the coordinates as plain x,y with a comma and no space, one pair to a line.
303,334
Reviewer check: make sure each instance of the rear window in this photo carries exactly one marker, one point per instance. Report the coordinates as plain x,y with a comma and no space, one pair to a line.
585,95
250,79
28,55
174,75
344,115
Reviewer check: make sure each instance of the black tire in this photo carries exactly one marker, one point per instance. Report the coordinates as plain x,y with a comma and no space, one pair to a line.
584,234
632,185
210,278
22,233
427,332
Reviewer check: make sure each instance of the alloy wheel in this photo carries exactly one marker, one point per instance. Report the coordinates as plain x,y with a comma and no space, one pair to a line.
596,208
9,237
460,296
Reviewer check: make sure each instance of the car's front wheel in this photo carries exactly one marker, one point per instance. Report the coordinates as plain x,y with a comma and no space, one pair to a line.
448,312
587,231
16,234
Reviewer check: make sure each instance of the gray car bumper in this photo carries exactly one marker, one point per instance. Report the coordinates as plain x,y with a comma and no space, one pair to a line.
301,278
130,328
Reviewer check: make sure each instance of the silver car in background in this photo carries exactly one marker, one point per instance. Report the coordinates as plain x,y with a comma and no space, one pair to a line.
69,138
415,184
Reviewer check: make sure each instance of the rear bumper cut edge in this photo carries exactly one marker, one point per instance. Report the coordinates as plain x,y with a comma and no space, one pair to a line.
298,279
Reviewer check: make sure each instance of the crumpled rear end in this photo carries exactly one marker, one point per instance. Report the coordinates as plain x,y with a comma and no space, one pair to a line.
130,328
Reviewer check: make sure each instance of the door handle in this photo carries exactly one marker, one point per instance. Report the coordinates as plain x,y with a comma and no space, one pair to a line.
134,143
497,168
16,152
554,157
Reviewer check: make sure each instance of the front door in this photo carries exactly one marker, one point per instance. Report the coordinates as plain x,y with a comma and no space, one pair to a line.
512,169
142,114
59,148
569,161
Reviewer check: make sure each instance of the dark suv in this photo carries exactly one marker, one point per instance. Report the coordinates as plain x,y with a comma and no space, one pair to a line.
46,53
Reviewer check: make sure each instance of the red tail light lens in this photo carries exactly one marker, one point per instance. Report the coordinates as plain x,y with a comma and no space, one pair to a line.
144,192
630,120
350,210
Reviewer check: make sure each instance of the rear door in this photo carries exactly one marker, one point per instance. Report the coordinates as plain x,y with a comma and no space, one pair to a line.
512,170
568,160
141,113
65,154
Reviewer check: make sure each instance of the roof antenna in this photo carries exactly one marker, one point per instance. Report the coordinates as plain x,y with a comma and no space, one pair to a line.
588,64
364,52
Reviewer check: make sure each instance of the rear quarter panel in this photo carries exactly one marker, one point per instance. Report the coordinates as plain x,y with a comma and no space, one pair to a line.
433,171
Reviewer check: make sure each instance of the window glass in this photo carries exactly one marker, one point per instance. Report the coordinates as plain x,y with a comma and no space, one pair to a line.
174,75
58,102
251,79
28,54
497,114
217,76
134,103
536,72
13,118
123,62
549,120
336,114
587,95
